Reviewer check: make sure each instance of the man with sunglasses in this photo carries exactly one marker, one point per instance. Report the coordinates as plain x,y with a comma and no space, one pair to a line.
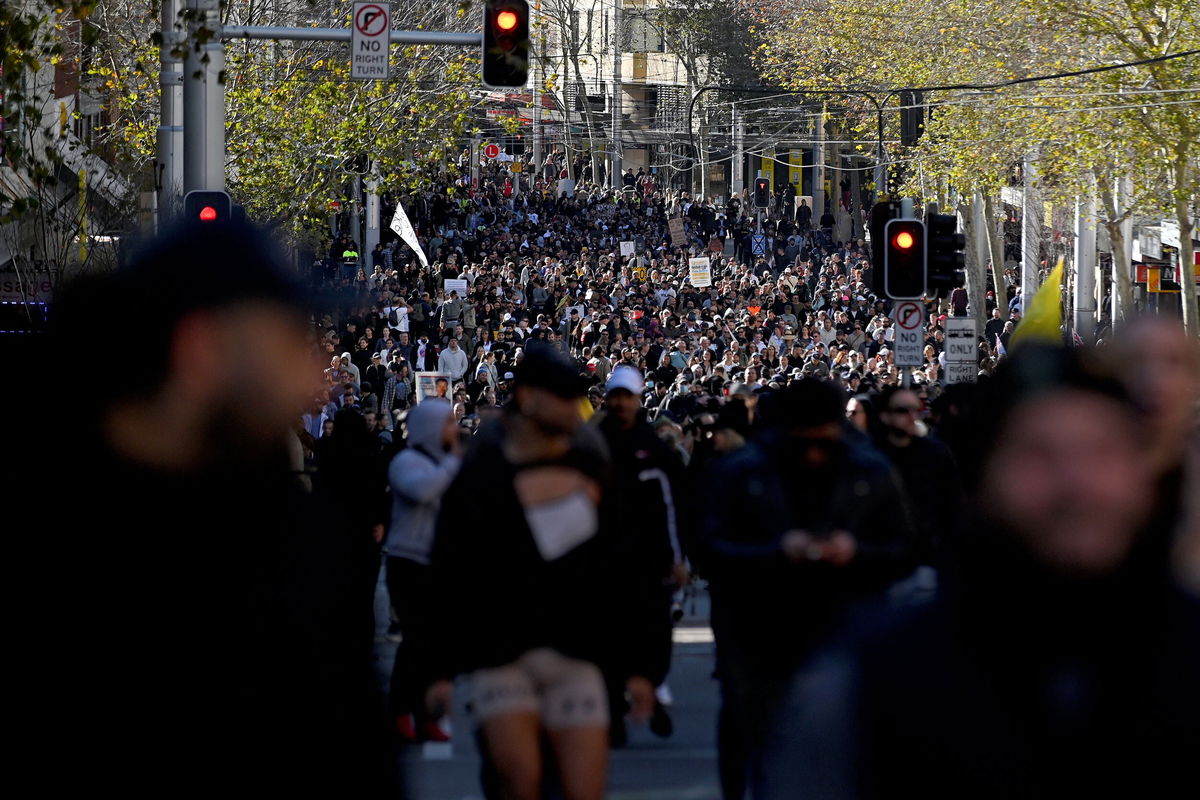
926,467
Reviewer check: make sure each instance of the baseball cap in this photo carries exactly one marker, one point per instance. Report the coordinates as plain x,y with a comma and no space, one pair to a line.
626,378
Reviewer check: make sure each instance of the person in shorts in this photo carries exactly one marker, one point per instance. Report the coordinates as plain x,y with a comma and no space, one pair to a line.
524,558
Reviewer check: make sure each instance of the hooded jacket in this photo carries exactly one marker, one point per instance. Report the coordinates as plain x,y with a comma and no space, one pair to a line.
419,475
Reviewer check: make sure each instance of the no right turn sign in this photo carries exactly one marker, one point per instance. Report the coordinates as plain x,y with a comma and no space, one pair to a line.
910,341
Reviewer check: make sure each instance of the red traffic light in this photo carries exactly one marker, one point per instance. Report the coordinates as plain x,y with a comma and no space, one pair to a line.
507,21
505,56
208,214
904,240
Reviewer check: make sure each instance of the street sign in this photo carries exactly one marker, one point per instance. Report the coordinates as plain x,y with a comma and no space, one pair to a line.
960,372
758,244
369,41
678,236
910,342
491,151
961,341
962,350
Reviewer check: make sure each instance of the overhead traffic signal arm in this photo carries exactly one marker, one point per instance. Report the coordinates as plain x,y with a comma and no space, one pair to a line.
505,58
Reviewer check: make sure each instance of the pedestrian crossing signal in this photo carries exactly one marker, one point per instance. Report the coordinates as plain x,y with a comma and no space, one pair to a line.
762,192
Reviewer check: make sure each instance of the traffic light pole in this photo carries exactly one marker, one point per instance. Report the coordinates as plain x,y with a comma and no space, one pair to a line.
204,100
169,180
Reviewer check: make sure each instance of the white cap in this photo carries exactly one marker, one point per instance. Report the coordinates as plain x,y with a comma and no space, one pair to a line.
627,378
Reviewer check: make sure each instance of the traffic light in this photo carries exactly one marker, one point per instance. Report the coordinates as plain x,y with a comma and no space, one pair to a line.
762,192
881,212
207,207
912,116
904,259
945,263
505,43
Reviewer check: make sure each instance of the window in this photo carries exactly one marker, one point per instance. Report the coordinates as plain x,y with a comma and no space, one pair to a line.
642,33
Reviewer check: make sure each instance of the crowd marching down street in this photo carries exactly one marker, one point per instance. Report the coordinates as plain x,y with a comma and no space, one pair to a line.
758,433
546,410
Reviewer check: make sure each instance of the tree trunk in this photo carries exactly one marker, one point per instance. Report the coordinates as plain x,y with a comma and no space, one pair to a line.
1114,223
995,247
974,268
588,120
1187,271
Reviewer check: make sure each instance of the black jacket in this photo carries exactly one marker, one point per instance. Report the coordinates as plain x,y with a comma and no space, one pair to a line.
500,598
1013,683
754,496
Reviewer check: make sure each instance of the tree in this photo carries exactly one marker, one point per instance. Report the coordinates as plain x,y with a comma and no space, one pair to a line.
1086,129
56,195
571,30
299,131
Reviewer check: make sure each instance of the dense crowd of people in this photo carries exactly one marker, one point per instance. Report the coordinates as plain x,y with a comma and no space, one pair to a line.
598,273
757,429
541,437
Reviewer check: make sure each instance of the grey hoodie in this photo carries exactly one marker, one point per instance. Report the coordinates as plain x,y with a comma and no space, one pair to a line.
419,475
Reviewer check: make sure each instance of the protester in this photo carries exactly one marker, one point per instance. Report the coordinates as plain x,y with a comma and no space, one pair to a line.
419,475
798,524
526,523
216,606
1058,659
651,508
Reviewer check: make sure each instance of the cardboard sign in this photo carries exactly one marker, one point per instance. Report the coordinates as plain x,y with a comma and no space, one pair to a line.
700,271
675,226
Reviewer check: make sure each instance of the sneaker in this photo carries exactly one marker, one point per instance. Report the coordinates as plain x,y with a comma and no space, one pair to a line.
405,728
432,732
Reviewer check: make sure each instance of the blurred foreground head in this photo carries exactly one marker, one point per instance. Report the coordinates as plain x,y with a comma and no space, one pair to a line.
208,328
1161,366
1065,474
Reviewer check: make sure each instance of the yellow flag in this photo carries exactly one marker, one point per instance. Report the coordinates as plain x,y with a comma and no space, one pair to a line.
1042,320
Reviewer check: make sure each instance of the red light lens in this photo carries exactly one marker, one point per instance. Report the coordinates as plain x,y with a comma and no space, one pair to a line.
208,214
904,240
507,21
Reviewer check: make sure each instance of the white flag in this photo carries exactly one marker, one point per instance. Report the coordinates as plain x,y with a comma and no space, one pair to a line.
404,230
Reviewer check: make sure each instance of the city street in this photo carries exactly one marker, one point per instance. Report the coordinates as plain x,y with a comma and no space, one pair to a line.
683,767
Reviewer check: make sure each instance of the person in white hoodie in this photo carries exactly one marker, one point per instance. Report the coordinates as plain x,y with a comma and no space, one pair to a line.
453,360
418,477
